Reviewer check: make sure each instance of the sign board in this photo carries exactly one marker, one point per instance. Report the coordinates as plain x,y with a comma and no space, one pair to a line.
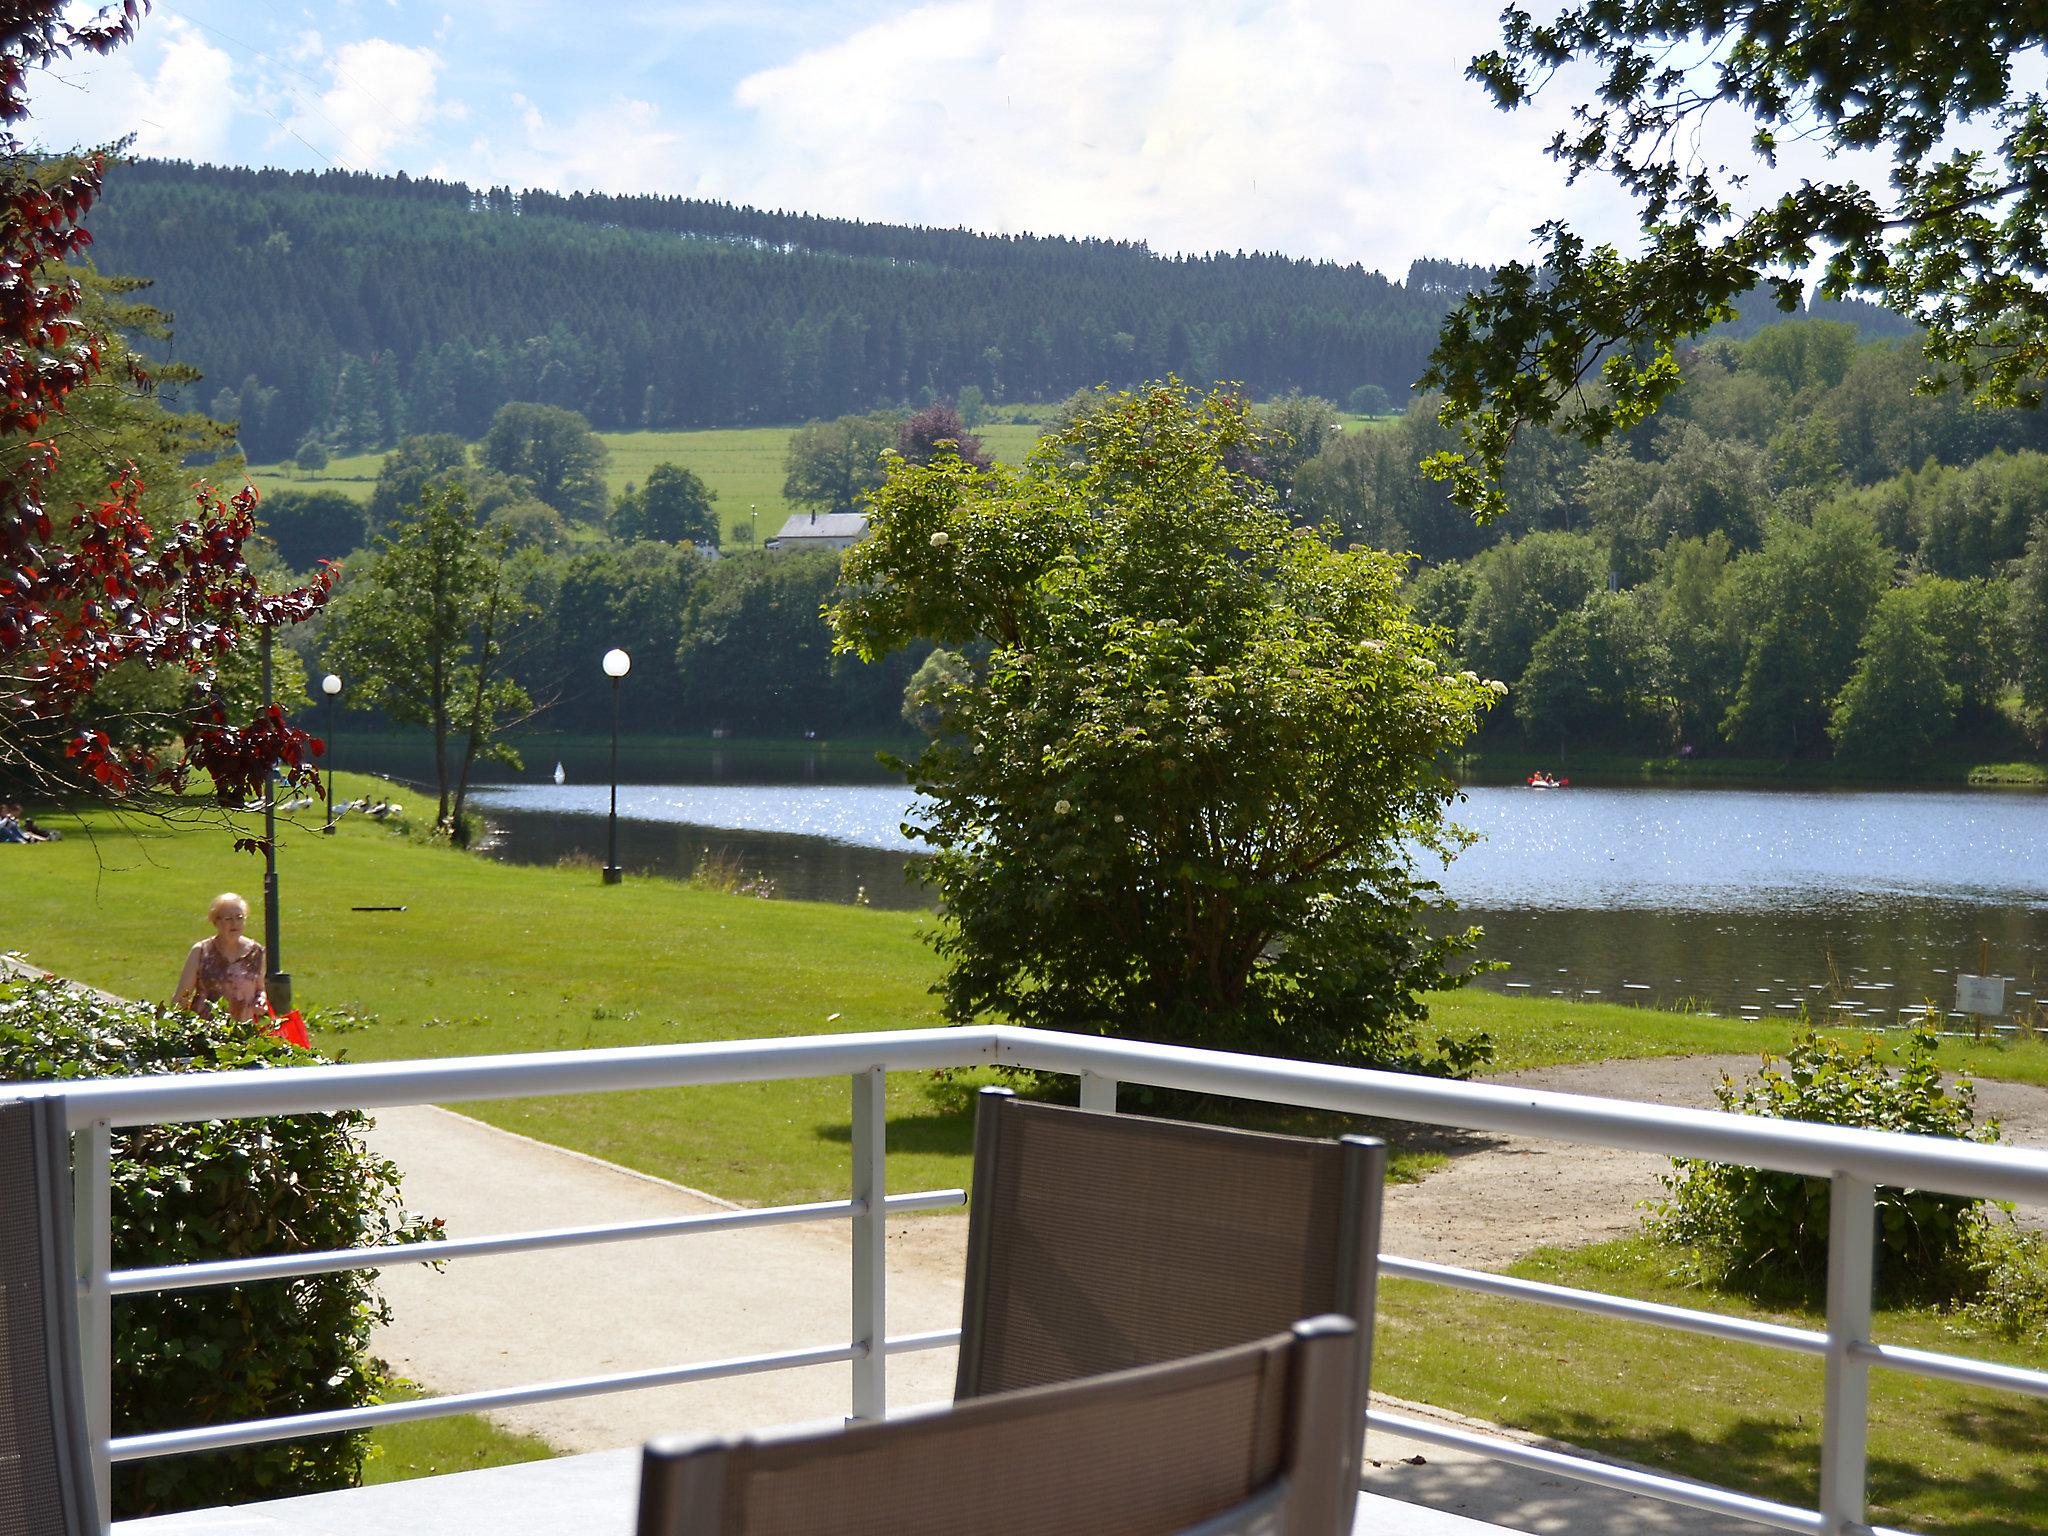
1980,994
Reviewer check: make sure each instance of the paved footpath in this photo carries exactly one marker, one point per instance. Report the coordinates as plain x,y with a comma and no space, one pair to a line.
511,1320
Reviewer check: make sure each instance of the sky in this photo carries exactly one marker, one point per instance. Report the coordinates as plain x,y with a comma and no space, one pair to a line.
1336,129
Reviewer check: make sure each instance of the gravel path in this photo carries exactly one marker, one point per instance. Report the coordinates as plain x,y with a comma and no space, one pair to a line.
1502,1196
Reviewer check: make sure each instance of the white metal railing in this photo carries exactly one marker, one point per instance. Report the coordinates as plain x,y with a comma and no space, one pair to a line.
1856,1163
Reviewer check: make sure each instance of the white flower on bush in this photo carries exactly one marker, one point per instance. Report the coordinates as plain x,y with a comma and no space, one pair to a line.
941,539
1061,807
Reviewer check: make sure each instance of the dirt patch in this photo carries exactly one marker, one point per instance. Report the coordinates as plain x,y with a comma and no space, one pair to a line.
1503,1196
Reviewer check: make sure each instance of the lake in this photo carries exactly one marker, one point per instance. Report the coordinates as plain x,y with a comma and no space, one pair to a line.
1853,903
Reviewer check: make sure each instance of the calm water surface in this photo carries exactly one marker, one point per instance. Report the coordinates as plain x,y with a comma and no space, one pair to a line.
1849,902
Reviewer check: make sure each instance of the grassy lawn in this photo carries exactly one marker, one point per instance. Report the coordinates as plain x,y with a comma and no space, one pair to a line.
1943,1458
1533,1032
465,1442
496,958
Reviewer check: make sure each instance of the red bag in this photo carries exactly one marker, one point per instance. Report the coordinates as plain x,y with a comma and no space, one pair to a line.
291,1028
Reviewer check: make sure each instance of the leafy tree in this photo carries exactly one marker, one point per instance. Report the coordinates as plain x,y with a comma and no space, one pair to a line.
921,435
422,629
1519,592
832,464
1600,669
756,654
1896,704
1178,798
311,457
431,459
972,405
2030,626
1698,633
639,597
104,590
553,453
1966,625
1953,239
1801,601
1294,429
673,507
309,526
1355,486
529,524
1370,400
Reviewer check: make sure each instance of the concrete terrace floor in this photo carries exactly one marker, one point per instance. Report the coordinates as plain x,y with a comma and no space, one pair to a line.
504,1321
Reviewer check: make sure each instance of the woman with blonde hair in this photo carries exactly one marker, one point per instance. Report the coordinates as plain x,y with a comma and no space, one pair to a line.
226,969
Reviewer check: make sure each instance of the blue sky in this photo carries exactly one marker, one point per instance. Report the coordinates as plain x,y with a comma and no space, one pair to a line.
1325,128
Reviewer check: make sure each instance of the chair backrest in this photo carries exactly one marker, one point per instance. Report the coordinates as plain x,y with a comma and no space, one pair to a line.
1100,1242
46,1486
1223,1444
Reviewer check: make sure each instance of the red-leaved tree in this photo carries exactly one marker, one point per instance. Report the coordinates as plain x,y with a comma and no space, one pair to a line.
87,589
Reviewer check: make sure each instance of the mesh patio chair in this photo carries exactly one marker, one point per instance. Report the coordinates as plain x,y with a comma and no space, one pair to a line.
1100,1242
46,1486
1222,1444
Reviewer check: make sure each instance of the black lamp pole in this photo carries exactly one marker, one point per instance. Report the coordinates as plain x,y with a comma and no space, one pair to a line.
331,686
277,983
616,665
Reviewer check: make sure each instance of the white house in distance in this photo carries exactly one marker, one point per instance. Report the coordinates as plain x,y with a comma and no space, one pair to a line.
821,530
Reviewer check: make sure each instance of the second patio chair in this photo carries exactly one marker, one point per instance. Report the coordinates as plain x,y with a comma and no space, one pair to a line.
46,1484
1100,1242
1241,1442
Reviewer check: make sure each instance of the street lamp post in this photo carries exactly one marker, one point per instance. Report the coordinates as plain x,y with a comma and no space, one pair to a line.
277,983
331,686
616,665
754,524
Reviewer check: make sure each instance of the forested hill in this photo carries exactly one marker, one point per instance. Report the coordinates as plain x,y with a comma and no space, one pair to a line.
360,309
363,308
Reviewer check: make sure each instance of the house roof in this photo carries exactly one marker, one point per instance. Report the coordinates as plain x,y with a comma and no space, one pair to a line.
826,525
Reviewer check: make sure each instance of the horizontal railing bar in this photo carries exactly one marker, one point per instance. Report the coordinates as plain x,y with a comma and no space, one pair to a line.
1887,1158
180,1277
1821,1151
1740,1330
1720,1501
907,1343
1975,1373
124,1101
342,1420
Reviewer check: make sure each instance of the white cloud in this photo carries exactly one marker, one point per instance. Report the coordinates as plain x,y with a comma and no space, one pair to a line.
1340,132
382,98
622,145
185,108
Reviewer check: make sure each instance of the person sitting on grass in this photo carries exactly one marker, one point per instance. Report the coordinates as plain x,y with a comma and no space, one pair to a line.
17,827
227,969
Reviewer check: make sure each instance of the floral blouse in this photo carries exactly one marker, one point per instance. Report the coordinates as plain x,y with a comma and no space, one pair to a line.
210,977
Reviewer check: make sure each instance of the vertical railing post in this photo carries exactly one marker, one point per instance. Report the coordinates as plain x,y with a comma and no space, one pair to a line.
870,1269
1098,1092
92,1244
1845,1415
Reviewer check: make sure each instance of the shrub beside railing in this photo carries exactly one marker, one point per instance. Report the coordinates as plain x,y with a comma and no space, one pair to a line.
221,1189
1767,1232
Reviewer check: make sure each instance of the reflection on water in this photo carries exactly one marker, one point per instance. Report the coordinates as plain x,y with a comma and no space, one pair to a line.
799,868
1851,903
1845,958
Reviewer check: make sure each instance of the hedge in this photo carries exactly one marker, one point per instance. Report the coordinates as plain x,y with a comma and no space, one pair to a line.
222,1189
